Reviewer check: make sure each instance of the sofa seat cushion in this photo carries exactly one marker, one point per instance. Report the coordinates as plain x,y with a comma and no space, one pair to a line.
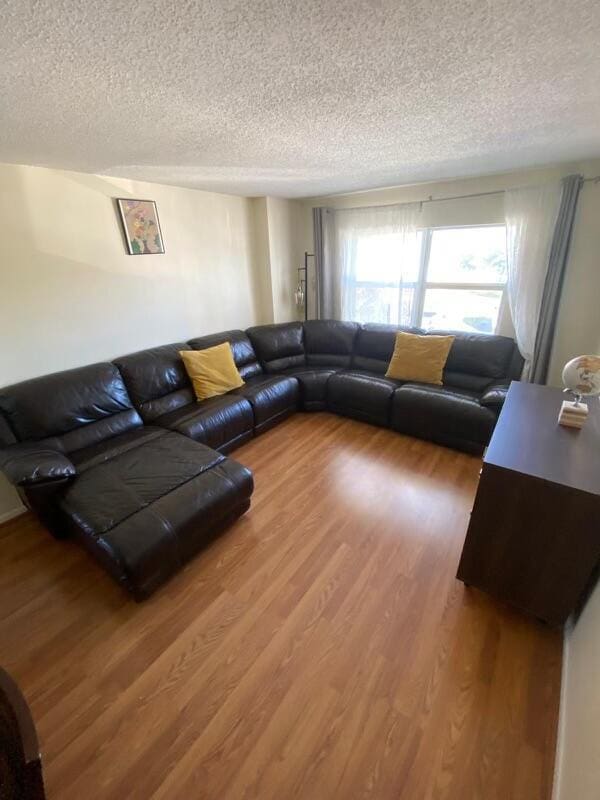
147,510
312,383
443,414
95,454
220,422
361,394
271,397
105,494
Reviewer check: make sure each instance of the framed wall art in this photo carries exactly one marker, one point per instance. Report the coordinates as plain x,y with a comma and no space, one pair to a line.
141,227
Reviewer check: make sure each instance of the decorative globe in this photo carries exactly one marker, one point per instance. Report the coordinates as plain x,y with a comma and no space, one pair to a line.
582,375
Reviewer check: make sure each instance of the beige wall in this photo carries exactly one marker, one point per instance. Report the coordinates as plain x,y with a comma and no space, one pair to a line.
278,254
70,295
286,255
262,256
578,329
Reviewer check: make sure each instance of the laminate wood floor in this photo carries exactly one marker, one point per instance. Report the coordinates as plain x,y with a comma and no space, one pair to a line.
320,649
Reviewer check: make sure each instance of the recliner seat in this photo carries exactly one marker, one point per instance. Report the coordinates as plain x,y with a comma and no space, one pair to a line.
362,391
445,415
463,412
159,503
162,393
328,346
271,397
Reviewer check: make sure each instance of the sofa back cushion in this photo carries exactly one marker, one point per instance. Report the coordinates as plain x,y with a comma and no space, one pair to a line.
328,342
374,346
243,353
157,380
7,435
74,409
477,359
279,346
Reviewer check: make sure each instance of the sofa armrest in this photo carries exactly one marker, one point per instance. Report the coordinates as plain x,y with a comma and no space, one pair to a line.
495,395
31,464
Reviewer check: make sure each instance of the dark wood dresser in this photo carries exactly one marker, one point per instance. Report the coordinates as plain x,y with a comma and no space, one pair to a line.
533,540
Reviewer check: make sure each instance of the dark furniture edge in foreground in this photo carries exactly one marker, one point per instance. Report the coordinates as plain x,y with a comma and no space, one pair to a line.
533,539
20,760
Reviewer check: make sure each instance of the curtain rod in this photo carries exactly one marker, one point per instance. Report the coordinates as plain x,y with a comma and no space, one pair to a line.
432,199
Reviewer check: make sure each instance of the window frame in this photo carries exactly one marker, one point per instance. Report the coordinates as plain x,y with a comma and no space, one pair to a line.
421,284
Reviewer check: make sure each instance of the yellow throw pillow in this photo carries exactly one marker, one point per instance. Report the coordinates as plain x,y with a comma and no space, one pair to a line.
419,358
212,371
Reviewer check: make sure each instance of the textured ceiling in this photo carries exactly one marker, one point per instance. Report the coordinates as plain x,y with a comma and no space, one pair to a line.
298,98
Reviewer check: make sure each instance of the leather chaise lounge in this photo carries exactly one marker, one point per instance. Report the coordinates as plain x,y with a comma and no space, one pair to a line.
142,499
122,456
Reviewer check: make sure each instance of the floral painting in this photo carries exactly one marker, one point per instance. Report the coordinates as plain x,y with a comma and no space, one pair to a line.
141,226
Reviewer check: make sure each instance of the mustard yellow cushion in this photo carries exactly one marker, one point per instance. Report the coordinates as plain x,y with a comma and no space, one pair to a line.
212,371
419,358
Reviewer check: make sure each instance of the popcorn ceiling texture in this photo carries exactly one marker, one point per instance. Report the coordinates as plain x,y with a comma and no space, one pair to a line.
298,99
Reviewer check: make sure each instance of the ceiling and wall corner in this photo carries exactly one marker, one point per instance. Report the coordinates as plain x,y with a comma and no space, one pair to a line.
290,99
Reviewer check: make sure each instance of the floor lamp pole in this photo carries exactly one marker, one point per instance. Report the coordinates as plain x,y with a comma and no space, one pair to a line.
303,282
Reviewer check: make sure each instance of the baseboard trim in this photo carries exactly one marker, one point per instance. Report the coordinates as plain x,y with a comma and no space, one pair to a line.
562,712
14,512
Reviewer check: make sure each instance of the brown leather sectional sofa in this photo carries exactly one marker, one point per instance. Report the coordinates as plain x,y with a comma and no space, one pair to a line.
121,454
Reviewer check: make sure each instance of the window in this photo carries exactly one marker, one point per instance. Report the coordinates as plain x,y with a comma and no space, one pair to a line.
442,278
386,278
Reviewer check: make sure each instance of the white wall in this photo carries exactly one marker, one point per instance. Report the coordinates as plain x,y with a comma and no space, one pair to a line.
70,295
578,749
578,327
578,753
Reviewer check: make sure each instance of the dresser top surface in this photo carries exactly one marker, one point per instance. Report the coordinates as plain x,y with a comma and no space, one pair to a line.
528,439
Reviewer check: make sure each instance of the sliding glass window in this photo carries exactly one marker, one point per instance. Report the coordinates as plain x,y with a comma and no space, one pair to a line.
443,278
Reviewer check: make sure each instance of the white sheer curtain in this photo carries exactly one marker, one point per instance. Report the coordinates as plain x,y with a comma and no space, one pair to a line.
343,232
530,214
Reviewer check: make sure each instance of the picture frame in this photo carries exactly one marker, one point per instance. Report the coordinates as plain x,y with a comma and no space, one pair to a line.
141,226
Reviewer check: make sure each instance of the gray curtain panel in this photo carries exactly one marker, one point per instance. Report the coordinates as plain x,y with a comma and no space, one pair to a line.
557,262
318,250
325,278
